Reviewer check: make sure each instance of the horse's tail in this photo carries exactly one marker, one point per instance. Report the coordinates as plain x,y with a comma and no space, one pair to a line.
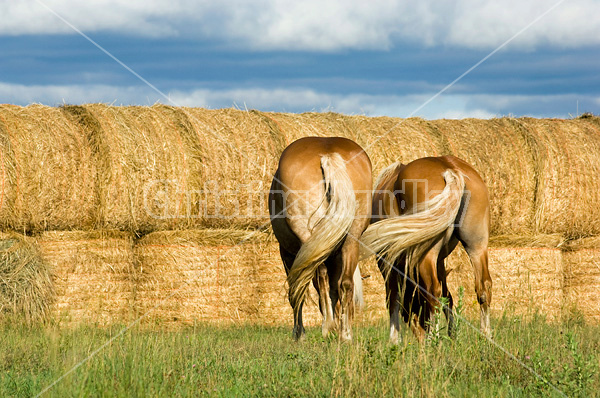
328,232
413,234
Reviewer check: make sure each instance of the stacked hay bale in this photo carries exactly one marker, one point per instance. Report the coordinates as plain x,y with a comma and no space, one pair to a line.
527,275
146,210
202,275
47,171
93,275
581,261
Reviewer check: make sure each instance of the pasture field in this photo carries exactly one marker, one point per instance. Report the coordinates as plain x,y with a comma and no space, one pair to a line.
264,361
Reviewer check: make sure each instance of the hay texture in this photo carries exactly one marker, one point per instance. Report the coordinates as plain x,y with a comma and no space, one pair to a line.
26,288
373,293
568,168
240,154
146,161
47,172
214,276
147,169
581,261
93,275
502,158
525,280
172,278
386,140
225,277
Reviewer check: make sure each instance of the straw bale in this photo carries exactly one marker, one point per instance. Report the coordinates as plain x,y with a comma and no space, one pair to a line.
93,275
224,277
582,276
47,176
26,288
568,192
146,165
525,280
184,276
240,154
503,159
551,241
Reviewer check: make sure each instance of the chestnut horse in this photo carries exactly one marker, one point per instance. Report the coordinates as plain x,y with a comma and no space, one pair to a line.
320,204
420,212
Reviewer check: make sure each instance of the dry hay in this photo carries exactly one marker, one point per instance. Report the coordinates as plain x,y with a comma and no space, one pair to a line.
240,151
225,277
146,165
501,156
525,280
47,175
551,241
155,168
582,277
236,276
93,275
568,192
187,276
26,288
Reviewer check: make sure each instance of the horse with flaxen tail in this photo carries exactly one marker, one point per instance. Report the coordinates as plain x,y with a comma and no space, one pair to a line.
320,204
420,212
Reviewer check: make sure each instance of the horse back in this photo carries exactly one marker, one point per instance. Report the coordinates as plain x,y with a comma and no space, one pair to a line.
300,163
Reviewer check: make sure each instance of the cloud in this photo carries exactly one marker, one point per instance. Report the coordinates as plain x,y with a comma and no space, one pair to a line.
451,106
75,94
317,25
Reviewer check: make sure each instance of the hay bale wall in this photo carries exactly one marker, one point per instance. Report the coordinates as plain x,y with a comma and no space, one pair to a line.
146,171
525,280
172,278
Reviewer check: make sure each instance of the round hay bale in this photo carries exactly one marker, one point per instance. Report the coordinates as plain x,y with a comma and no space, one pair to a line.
47,175
568,186
503,159
93,275
26,288
146,166
240,153
386,140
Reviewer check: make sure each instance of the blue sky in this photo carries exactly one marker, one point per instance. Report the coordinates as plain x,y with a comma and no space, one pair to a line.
371,58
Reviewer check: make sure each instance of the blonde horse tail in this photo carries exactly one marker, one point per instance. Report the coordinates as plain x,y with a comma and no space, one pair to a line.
413,234
328,231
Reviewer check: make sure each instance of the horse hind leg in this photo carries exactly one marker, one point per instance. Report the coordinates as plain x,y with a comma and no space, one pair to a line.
441,269
325,299
349,262
483,285
392,298
429,281
288,259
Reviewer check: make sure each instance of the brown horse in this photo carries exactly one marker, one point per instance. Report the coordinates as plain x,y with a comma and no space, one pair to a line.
420,212
320,204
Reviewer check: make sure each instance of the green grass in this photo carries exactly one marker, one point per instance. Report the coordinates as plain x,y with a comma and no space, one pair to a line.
264,361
